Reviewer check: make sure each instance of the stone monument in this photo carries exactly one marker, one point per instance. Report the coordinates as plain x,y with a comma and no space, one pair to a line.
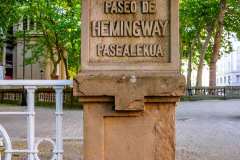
129,82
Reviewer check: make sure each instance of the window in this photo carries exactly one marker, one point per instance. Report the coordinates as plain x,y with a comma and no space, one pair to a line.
32,24
29,24
238,78
229,67
25,24
225,80
221,80
8,73
238,63
229,79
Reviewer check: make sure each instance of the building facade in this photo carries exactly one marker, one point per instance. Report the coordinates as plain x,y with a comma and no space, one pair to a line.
13,64
228,68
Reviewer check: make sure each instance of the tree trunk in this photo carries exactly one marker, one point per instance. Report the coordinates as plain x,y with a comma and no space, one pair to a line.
189,73
217,43
66,68
203,54
55,65
54,71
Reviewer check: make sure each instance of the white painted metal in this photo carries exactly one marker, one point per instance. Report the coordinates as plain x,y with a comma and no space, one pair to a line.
47,140
13,113
31,86
36,82
7,143
31,121
59,120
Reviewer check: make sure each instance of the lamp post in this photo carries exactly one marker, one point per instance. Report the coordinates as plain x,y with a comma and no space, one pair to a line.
24,102
24,44
41,74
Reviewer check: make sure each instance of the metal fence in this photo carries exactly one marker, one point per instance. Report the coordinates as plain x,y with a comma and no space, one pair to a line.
43,97
214,92
32,144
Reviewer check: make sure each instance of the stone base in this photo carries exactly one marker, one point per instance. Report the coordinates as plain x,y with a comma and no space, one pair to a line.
148,135
128,89
129,116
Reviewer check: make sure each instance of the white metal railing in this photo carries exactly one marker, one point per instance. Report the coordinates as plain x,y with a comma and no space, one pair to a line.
32,149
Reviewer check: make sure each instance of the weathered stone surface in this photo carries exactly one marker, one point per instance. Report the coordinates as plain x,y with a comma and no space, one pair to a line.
129,81
130,35
129,90
148,135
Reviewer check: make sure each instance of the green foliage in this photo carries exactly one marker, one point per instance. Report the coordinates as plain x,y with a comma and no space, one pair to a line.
7,8
59,21
232,19
196,16
58,24
59,27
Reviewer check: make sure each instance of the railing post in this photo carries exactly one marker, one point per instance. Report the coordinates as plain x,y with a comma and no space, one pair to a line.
224,91
59,120
31,121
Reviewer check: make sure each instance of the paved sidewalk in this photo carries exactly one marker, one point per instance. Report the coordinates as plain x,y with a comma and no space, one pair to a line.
208,130
16,126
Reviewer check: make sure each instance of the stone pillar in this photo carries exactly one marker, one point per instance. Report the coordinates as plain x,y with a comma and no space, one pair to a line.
129,81
138,123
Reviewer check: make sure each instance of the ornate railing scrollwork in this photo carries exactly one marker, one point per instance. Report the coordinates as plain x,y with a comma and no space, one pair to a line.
32,144
7,143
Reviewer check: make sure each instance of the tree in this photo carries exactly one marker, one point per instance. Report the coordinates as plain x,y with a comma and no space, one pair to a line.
204,47
197,18
227,21
188,35
9,13
211,22
217,42
59,23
